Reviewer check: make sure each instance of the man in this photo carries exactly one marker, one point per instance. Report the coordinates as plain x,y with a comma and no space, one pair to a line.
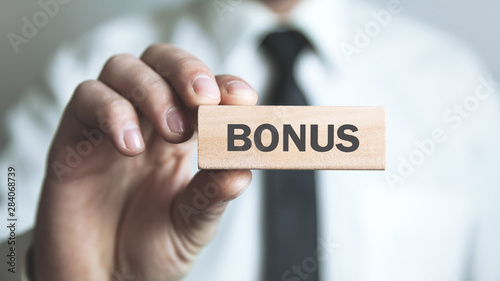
117,184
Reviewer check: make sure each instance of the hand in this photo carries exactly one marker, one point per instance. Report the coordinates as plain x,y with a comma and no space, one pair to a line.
118,197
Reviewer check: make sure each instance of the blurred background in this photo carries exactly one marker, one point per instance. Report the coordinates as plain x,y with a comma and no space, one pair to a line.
475,22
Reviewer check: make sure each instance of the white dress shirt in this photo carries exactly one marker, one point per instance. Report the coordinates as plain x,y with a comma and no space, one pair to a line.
431,216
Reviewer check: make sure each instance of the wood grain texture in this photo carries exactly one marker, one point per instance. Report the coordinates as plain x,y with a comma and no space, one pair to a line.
213,149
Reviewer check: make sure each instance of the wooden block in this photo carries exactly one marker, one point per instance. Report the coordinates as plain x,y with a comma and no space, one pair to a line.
291,137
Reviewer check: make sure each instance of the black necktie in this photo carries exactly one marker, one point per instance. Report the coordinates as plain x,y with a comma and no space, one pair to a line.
290,197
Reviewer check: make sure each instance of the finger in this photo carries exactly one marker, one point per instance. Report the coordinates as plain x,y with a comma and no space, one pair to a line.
191,79
235,91
96,106
137,82
199,207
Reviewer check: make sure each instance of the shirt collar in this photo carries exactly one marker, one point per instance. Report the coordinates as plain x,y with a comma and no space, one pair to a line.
236,23
324,23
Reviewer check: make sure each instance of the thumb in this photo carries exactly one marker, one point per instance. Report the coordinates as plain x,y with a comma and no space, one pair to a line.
199,207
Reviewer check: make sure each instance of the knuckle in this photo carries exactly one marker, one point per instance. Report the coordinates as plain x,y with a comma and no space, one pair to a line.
113,113
148,86
154,48
150,81
113,109
117,107
190,65
85,88
118,60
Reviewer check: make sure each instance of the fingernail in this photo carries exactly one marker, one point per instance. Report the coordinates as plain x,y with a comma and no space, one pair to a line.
176,121
238,88
132,138
203,85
